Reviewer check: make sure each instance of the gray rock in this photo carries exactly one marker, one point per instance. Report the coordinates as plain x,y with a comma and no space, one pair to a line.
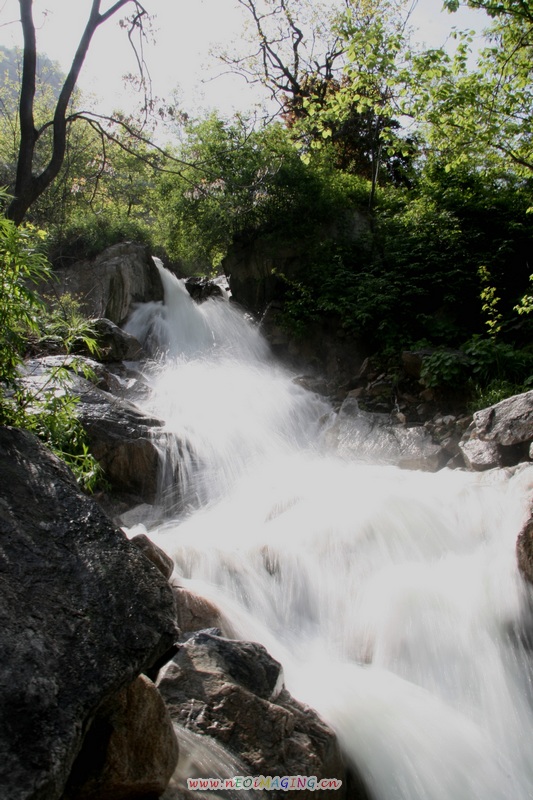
508,422
374,437
111,283
83,612
479,455
500,435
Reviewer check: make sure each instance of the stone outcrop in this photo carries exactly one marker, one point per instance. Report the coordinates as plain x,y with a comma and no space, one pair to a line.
326,349
115,344
108,285
524,548
122,438
201,288
524,542
376,438
124,442
500,435
83,613
233,692
256,263
251,268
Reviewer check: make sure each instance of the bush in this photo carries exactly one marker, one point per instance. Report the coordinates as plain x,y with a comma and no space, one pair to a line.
87,236
50,412
483,368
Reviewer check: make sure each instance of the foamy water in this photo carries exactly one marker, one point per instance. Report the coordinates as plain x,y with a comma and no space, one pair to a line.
391,597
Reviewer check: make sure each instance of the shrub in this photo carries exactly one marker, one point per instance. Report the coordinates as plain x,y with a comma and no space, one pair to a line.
87,236
50,411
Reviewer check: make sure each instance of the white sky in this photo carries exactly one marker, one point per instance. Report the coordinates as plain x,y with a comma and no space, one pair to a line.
185,32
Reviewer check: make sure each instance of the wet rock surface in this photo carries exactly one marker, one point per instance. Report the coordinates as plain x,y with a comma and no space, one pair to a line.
83,613
233,691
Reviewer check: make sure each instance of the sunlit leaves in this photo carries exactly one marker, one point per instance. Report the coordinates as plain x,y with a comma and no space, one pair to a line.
481,108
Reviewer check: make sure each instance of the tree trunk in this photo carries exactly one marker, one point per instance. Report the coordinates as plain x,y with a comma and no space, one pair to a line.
29,187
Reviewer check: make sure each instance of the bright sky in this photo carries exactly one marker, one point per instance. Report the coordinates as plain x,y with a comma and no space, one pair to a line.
185,33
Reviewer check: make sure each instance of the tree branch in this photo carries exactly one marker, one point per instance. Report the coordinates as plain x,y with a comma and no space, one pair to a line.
28,187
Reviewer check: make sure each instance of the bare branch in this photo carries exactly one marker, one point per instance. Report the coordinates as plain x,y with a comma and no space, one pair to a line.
287,50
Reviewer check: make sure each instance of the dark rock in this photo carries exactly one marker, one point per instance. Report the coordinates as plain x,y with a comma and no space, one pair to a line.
245,663
524,549
201,289
115,344
83,613
130,751
412,363
232,691
123,439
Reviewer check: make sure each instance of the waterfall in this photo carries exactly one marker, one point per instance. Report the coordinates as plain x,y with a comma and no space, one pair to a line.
392,598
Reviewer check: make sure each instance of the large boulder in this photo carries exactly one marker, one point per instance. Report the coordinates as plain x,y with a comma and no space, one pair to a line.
375,438
83,613
233,692
111,283
115,344
500,435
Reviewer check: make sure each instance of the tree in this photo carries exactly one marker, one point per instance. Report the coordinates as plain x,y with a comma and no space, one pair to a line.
295,45
367,100
30,183
482,114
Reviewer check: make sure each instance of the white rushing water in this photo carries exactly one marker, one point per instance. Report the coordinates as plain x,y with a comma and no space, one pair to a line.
391,597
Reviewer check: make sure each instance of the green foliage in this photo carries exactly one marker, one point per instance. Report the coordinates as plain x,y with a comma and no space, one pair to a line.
63,327
21,266
494,392
490,303
245,184
49,412
87,235
445,368
525,306
479,364
481,115
49,79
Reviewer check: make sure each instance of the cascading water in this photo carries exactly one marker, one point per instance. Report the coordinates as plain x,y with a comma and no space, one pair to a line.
391,597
